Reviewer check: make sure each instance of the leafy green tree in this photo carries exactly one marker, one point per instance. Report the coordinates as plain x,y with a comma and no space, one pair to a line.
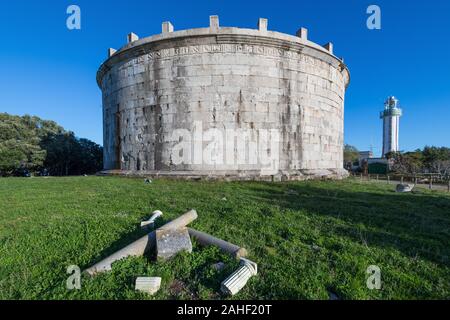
31,143
437,160
407,163
430,159
351,153
68,155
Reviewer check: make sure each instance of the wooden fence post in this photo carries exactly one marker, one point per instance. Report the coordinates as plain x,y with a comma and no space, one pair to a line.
388,179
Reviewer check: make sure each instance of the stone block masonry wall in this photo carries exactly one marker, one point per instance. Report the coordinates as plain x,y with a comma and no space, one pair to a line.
223,79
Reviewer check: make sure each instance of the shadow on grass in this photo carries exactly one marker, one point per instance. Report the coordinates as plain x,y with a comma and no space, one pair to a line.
416,224
126,239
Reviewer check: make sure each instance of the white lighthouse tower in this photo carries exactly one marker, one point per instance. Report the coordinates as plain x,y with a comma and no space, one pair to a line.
391,120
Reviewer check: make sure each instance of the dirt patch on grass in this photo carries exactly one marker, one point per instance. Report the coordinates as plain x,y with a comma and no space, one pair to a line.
179,289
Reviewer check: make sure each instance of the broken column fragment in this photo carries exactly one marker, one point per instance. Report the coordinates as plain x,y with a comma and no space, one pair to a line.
238,279
142,245
209,240
181,221
156,214
169,242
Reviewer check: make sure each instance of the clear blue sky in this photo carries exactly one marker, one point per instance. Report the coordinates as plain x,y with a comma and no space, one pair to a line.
49,71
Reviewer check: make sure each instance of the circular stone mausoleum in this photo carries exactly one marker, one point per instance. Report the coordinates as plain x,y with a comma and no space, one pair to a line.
222,102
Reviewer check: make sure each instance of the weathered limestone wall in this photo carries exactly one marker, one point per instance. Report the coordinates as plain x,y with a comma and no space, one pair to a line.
227,79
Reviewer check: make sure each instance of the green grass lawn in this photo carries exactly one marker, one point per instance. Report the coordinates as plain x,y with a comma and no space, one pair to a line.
308,238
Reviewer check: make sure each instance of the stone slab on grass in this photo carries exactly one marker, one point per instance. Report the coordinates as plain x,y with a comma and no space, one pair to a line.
171,241
148,285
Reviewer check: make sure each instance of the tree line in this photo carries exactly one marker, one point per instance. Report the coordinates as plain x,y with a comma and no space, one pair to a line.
430,159
29,144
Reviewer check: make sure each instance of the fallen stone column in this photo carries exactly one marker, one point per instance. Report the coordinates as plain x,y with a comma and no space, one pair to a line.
208,240
137,248
142,245
181,221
